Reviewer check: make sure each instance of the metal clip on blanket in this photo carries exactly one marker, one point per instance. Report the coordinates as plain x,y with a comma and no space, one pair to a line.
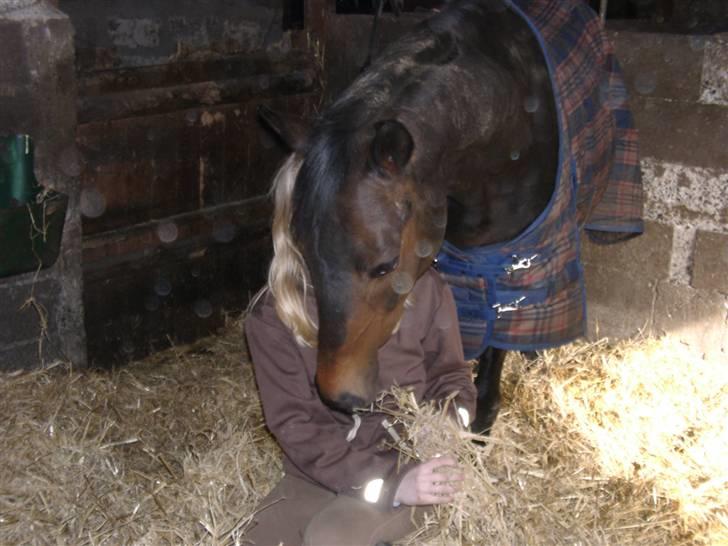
515,305
520,263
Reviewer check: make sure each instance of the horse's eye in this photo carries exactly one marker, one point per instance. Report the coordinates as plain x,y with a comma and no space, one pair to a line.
384,269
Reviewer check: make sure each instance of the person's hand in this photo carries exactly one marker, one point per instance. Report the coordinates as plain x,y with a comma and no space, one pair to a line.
433,482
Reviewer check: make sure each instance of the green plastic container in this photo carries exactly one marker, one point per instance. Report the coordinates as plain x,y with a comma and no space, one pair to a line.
31,219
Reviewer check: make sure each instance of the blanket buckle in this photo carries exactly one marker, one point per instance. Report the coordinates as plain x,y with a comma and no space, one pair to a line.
515,305
520,263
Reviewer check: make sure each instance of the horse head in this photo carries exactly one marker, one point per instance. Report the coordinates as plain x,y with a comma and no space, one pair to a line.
367,229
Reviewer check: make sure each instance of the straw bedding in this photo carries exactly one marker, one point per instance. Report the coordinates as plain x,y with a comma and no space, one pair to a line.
596,444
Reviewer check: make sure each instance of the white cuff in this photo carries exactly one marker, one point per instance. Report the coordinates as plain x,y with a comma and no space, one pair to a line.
464,416
372,490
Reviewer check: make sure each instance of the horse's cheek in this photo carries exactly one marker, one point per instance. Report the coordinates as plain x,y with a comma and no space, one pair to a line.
391,300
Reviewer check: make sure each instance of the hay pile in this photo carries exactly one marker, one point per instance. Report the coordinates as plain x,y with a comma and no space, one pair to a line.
168,451
596,445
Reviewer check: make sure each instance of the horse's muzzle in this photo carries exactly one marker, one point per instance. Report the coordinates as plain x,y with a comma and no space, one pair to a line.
346,402
346,382
345,399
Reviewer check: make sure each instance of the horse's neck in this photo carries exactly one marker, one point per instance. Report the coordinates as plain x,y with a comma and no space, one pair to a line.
492,200
499,184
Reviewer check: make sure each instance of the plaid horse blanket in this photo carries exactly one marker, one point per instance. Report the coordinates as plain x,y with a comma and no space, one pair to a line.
528,293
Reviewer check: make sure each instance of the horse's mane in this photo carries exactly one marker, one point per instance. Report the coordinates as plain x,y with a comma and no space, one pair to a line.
321,176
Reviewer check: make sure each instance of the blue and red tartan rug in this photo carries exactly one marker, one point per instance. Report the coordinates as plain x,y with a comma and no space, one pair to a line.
528,293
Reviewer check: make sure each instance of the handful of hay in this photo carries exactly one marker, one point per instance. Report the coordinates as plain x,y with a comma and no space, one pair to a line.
477,516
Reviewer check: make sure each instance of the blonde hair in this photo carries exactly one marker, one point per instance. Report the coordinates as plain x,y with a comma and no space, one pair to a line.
288,277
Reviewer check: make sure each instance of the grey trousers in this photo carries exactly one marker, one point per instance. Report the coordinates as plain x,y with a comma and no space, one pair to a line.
299,513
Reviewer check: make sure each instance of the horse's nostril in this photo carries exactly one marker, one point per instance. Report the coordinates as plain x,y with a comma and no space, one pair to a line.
346,402
351,401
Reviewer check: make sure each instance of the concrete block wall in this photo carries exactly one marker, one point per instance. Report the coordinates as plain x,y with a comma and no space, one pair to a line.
674,278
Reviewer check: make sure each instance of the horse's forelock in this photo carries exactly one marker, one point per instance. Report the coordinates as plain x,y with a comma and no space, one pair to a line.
320,180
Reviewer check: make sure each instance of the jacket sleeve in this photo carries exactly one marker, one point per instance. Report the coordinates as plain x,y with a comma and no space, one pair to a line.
447,370
307,431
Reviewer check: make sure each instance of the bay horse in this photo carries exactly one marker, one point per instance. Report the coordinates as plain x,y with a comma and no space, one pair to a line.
459,134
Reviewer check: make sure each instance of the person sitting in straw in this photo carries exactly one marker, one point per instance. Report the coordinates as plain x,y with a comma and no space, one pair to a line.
343,484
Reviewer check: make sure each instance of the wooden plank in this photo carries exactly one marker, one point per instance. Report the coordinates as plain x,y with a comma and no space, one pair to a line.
252,156
143,102
172,279
317,15
138,169
183,168
213,132
157,166
135,310
142,33
103,82
181,235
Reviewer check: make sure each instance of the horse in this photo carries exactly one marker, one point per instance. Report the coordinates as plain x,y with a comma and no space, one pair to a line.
455,139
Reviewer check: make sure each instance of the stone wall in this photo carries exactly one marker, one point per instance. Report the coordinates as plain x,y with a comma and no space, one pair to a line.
674,278
41,316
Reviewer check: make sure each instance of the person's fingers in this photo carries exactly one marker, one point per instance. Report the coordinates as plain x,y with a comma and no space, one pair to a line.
427,498
454,476
445,460
440,490
434,464
439,486
448,470
440,480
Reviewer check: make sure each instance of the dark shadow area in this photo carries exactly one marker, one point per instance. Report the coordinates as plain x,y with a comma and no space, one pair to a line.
293,14
369,6
680,16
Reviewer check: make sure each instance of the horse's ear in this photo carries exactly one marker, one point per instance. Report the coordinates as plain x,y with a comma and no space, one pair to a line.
392,147
291,132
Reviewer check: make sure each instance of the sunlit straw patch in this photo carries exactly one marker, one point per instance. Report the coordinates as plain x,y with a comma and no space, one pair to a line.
596,444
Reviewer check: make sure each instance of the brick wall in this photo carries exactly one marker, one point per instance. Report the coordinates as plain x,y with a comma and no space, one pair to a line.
673,279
